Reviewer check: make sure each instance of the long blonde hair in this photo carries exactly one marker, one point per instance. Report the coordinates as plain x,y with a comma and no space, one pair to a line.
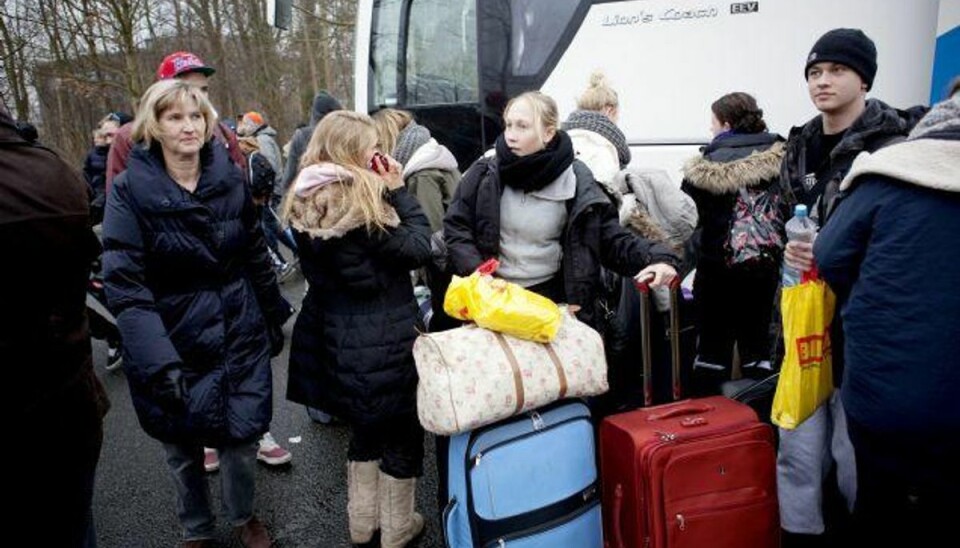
341,138
390,122
598,95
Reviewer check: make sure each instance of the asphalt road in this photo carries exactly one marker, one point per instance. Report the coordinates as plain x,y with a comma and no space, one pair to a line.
302,504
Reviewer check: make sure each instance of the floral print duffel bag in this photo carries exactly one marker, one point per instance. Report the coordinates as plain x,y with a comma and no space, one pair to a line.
471,377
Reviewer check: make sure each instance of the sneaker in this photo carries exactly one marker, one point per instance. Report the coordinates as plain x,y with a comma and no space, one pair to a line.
271,453
114,357
211,460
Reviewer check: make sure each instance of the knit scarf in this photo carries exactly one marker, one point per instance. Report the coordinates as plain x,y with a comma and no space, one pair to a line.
535,171
601,125
409,140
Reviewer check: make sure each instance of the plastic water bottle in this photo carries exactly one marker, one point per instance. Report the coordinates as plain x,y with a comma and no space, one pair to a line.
800,228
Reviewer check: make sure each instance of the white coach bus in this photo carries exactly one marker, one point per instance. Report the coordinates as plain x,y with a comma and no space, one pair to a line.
455,63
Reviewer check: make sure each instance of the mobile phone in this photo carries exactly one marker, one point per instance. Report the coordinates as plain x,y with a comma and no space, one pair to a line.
379,163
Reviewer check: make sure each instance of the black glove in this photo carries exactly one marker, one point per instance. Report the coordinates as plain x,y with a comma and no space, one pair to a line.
170,390
275,333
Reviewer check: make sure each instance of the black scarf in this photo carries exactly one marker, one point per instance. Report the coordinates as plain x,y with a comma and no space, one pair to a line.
537,170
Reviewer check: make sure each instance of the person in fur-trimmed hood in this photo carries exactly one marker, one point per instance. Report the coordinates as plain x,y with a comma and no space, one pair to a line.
360,233
429,168
890,253
734,299
592,128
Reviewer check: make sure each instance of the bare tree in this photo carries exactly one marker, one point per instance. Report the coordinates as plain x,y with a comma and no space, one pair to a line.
65,63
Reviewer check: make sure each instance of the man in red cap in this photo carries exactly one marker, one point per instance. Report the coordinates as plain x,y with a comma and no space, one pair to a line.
188,67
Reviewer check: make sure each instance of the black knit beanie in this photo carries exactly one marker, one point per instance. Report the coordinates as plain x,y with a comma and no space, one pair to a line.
323,104
849,47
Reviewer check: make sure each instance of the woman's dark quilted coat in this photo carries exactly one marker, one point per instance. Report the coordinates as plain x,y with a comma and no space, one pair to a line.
351,353
188,277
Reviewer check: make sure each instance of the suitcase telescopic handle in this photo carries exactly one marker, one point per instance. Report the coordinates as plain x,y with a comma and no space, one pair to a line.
643,286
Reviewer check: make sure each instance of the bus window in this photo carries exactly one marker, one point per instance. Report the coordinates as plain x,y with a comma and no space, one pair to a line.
537,27
384,42
441,52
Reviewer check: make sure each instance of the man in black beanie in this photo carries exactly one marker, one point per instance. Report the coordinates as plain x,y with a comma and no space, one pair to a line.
840,70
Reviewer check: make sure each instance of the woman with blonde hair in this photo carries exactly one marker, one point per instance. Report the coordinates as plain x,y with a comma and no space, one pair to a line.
360,233
539,211
429,168
187,277
597,140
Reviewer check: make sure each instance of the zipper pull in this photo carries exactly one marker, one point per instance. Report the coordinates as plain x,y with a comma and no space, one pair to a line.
538,423
501,543
476,460
681,523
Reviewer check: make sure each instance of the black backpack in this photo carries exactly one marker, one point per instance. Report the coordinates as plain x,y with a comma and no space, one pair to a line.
261,175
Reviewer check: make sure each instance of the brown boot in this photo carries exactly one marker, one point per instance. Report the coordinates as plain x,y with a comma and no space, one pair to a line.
253,534
399,523
201,543
362,511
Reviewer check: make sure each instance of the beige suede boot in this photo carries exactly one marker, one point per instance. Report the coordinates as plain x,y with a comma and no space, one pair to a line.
399,524
362,494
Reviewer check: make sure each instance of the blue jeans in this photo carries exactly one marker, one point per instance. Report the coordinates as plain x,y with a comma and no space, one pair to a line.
272,232
237,465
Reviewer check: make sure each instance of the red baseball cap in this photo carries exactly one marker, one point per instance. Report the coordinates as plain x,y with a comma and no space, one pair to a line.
179,63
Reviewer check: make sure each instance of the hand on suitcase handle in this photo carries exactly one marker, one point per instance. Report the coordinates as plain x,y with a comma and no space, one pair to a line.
656,275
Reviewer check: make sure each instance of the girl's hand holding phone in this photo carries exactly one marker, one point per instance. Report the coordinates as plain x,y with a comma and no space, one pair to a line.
388,169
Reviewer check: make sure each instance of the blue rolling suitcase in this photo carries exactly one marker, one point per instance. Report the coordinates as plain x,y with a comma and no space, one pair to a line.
528,481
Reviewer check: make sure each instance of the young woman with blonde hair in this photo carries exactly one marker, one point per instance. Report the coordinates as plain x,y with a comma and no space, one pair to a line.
539,211
597,140
360,233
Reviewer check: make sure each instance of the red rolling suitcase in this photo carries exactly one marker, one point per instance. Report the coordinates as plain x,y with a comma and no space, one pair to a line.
689,474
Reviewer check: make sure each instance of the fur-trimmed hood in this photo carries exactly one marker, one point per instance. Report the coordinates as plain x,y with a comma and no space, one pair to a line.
728,177
318,206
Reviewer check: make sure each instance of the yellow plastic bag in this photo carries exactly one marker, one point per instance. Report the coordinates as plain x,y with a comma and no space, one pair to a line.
806,377
502,306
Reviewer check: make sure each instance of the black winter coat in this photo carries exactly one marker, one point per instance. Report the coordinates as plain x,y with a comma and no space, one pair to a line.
189,280
592,238
713,181
878,125
352,348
